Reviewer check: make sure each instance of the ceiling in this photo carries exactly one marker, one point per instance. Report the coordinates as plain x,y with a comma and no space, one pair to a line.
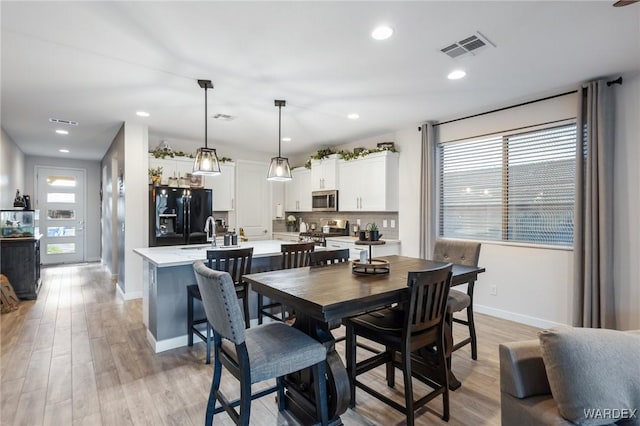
98,63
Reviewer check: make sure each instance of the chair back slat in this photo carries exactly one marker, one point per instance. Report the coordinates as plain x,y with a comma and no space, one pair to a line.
220,302
428,301
328,257
455,251
296,255
236,262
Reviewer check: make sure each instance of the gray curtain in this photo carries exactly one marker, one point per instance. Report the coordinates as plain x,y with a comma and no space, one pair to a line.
428,190
593,227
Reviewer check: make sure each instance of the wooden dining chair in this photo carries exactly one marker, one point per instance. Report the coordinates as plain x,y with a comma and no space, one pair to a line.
255,354
417,323
293,256
462,253
236,262
328,257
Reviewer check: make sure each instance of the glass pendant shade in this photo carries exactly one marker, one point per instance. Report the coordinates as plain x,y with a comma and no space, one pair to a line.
206,162
279,169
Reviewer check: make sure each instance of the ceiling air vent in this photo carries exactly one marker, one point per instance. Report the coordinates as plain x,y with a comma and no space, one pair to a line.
223,117
470,45
59,121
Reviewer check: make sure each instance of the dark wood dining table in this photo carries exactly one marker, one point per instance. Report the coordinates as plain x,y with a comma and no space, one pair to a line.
321,297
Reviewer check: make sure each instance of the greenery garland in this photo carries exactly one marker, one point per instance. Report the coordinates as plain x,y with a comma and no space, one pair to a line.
352,155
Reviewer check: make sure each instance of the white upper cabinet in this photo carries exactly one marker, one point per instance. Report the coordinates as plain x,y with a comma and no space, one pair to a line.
324,173
176,167
223,187
369,183
298,191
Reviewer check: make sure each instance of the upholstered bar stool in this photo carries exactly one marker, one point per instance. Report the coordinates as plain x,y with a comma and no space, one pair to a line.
238,263
462,253
256,354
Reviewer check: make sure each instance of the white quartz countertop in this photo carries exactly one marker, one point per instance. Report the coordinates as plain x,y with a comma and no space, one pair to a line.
187,254
352,240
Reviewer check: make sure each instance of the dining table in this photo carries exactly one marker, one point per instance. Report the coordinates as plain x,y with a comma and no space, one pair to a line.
321,297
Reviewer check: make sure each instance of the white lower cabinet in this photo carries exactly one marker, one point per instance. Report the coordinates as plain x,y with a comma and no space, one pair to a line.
339,243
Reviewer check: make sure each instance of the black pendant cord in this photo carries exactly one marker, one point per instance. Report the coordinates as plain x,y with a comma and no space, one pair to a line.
279,130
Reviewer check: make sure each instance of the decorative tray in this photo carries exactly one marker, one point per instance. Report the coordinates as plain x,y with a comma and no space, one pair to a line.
374,266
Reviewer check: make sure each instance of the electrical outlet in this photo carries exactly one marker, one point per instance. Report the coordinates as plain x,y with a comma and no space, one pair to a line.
358,222
393,223
384,223
494,290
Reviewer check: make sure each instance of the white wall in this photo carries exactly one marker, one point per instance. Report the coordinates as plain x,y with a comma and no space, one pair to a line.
136,147
92,216
627,203
12,171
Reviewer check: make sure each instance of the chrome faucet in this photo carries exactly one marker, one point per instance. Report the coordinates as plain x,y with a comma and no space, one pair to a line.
210,228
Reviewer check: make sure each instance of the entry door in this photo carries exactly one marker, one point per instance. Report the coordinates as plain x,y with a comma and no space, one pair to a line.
61,201
253,200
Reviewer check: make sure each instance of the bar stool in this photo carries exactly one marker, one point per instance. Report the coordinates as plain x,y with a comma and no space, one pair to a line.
238,263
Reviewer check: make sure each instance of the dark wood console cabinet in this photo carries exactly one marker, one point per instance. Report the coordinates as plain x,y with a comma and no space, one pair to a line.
20,263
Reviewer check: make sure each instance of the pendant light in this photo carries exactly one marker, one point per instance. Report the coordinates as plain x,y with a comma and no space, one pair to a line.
279,169
206,158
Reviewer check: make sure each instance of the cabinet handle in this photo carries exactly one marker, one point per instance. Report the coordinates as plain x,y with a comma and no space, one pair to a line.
232,203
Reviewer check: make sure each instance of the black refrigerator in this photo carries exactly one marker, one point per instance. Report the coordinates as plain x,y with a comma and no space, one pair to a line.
178,215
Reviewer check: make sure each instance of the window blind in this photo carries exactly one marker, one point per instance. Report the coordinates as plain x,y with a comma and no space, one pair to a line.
517,187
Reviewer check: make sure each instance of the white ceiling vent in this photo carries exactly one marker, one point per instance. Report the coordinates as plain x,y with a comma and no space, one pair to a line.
59,121
223,117
469,46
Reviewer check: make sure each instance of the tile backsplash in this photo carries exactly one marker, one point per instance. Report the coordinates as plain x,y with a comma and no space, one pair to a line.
279,225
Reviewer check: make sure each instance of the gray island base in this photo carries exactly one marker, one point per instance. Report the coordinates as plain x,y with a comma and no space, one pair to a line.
167,271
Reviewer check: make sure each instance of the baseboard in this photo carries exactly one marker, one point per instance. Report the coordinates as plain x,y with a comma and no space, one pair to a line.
168,344
129,296
512,316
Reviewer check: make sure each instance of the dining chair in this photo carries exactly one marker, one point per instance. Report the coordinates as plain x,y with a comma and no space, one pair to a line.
414,324
238,263
463,253
293,256
328,257
252,355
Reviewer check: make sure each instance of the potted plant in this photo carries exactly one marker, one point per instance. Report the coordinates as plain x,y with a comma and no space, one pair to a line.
291,223
374,232
155,176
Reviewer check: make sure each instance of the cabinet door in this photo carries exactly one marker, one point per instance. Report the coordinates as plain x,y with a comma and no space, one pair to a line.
317,174
350,183
323,174
183,166
223,187
374,184
168,167
292,192
304,190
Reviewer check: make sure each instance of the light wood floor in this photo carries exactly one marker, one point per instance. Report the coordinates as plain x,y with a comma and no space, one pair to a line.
78,356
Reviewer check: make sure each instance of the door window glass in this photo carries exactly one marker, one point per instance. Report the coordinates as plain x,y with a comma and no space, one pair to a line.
61,197
61,214
67,181
61,231
61,248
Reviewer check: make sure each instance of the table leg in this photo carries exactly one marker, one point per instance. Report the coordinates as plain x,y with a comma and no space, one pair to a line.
300,399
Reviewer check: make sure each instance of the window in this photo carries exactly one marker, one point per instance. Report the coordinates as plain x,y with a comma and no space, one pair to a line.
517,187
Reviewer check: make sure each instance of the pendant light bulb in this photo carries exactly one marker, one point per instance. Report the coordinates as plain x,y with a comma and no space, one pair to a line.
279,170
206,162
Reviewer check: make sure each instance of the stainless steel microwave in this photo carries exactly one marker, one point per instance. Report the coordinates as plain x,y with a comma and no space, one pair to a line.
324,201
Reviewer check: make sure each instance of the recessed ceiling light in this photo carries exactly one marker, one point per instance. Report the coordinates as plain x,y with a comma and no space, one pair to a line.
456,74
353,116
142,114
382,32
286,139
62,132
64,150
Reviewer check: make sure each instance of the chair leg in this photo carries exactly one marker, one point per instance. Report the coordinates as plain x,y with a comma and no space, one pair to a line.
215,386
245,308
260,308
408,386
245,399
321,392
472,332
208,343
350,345
391,371
445,362
280,383
189,319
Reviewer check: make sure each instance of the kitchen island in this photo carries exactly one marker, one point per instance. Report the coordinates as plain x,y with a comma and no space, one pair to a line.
167,271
